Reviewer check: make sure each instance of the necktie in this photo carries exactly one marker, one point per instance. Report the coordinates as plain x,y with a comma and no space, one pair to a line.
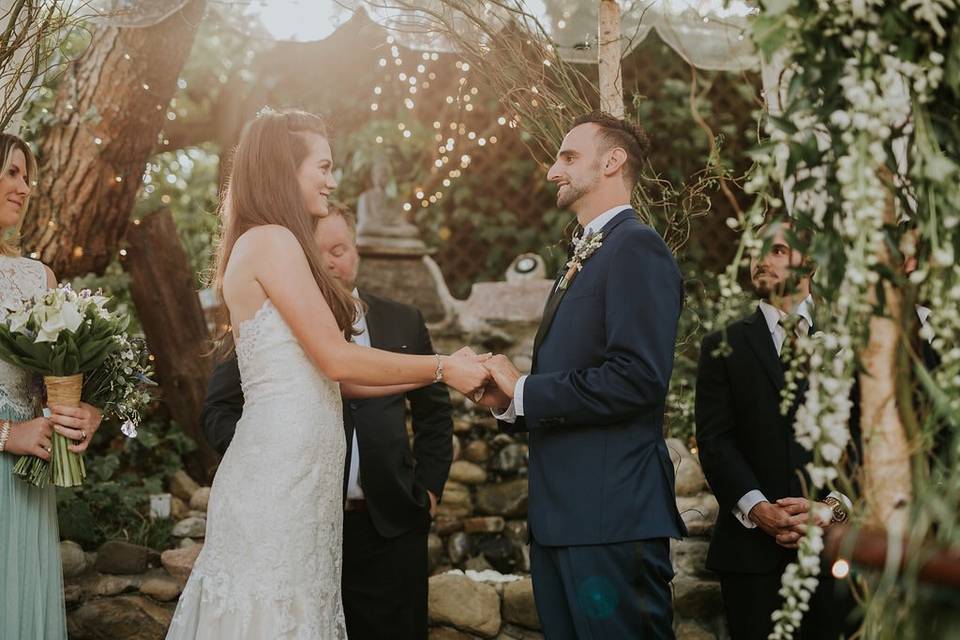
793,328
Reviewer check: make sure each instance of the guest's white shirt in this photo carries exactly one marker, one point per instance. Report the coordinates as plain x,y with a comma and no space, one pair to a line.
594,226
354,492
778,334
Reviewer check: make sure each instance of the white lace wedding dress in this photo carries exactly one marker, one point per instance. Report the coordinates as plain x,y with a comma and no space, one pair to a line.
270,565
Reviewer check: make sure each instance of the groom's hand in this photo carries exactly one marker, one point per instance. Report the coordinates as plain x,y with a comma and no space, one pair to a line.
504,374
494,398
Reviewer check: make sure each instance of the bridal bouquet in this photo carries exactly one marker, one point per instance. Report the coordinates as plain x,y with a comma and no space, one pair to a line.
64,335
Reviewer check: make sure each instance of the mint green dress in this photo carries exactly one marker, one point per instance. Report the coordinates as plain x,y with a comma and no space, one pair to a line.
31,579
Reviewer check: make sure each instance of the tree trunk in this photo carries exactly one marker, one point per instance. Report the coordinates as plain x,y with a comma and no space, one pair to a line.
610,50
169,309
109,110
886,450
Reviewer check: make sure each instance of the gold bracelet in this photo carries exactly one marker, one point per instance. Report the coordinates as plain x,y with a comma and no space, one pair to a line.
5,434
438,376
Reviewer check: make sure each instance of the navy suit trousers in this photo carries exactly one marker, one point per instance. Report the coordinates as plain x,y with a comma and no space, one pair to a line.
604,592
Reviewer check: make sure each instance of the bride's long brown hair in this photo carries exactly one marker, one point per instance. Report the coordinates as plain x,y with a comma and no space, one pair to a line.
263,189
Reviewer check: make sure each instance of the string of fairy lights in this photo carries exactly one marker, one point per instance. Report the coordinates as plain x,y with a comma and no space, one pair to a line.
455,140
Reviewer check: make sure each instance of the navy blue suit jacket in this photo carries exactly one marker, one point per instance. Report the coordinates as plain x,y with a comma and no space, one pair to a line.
594,402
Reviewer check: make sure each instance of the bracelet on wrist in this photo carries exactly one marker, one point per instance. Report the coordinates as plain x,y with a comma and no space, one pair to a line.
438,376
5,434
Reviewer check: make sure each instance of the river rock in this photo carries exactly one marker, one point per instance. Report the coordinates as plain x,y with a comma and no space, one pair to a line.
434,551
73,558
500,552
689,630
130,617
178,508
508,499
462,425
458,547
192,527
690,479
699,513
108,585
470,606
467,472
179,562
477,451
689,557
199,499
488,524
697,599
72,594
162,588
456,502
518,604
445,525
510,459
123,558
501,440
478,563
448,633
182,485
513,632
457,448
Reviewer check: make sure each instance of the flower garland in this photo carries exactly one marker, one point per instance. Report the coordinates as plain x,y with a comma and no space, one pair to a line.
859,83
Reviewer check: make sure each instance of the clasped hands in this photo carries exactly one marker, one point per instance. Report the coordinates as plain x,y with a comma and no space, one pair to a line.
499,379
786,519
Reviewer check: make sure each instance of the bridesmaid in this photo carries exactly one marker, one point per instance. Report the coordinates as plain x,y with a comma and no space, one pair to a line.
31,582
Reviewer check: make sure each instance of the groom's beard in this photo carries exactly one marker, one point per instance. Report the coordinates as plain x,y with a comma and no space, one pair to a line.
574,191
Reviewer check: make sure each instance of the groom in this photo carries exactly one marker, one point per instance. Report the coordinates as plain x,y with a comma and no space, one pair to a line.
602,507
390,491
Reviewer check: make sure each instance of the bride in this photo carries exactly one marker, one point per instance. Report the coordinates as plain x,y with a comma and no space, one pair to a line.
270,567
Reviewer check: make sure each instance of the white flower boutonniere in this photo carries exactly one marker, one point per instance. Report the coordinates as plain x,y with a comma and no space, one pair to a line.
583,249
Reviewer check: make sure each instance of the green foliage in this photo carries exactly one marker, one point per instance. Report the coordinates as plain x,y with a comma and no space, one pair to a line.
186,182
114,503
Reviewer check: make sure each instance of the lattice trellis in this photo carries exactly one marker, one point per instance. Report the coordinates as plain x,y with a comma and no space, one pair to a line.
466,254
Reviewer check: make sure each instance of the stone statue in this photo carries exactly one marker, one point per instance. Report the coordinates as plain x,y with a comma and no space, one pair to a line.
380,222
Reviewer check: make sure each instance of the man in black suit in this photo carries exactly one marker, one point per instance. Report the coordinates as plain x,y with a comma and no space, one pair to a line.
750,455
390,491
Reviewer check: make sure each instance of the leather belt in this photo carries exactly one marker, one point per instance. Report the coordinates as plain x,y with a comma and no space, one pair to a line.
355,504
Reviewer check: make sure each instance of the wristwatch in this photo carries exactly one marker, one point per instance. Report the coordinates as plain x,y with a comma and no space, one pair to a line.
838,512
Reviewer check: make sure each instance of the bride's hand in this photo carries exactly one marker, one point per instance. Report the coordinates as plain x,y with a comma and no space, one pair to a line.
465,373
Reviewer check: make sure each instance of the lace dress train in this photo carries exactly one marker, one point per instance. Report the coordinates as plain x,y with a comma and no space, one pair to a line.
270,565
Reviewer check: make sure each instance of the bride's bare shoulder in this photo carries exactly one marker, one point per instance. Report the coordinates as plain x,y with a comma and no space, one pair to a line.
266,238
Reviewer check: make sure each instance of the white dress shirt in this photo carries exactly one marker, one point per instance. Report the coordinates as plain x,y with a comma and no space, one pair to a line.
354,492
778,334
594,226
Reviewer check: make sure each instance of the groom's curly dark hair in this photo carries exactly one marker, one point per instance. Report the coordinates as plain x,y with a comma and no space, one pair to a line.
618,132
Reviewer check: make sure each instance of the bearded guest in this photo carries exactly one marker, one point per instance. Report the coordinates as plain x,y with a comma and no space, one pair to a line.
750,455
391,491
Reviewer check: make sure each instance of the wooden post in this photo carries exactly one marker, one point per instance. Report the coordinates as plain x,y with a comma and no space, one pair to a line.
163,290
609,52
887,482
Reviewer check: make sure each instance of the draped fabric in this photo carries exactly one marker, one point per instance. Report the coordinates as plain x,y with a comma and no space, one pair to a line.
709,34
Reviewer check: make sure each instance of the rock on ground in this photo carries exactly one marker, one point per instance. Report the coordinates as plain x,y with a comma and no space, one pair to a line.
470,606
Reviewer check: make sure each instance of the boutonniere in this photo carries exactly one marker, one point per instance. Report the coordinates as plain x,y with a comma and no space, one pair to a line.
582,250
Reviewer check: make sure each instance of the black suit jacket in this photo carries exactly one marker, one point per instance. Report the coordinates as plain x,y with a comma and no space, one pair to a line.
395,480
745,443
